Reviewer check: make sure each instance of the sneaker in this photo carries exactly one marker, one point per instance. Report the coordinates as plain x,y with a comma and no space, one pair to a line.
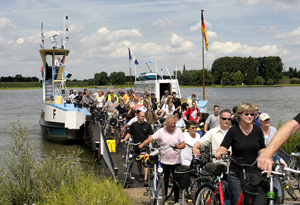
146,183
141,178
177,203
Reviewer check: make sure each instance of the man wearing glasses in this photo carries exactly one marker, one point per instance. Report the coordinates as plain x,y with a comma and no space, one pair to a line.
216,135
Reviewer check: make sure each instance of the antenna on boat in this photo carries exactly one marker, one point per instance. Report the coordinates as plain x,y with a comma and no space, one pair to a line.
65,29
53,40
148,67
42,36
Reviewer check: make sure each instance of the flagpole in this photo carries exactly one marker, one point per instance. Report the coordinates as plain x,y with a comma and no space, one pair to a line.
203,60
130,68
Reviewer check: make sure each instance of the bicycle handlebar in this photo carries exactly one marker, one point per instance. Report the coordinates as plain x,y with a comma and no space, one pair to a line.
225,156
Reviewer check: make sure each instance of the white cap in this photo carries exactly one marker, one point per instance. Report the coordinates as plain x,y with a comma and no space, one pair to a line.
264,116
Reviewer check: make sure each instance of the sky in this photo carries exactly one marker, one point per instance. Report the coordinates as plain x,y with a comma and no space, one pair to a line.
101,31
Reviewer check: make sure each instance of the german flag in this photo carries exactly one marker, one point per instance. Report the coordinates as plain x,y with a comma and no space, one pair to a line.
204,31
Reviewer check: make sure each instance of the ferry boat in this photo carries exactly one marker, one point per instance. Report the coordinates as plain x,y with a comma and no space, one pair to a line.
60,122
158,86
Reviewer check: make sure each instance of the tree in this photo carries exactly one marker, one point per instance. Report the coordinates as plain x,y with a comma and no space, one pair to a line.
259,80
226,78
117,78
270,82
101,78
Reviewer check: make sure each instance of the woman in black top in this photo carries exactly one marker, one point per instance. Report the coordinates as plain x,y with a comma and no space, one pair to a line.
246,141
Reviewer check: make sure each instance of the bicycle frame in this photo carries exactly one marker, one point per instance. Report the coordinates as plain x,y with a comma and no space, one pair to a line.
220,190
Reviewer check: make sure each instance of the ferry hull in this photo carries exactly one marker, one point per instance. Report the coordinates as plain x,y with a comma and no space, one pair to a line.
57,133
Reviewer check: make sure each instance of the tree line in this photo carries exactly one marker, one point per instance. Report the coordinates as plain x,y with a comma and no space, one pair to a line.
18,78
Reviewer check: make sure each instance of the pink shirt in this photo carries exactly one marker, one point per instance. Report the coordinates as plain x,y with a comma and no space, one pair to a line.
169,156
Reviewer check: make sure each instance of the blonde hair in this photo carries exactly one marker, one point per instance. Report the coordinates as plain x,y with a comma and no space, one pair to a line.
244,107
136,98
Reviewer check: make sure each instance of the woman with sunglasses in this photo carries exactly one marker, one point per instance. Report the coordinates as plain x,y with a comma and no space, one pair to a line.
190,138
246,141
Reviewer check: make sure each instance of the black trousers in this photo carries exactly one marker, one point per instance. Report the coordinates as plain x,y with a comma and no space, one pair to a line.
166,170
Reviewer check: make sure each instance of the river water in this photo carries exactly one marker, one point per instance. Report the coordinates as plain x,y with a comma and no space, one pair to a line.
281,103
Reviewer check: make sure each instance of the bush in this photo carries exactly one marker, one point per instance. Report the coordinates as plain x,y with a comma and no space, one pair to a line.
290,145
295,81
259,80
58,179
270,82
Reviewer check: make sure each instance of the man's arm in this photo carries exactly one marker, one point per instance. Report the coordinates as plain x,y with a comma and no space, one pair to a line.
126,138
264,161
205,127
147,141
196,147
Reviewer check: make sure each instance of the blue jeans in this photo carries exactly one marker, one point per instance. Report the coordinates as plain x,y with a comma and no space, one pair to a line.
235,187
56,72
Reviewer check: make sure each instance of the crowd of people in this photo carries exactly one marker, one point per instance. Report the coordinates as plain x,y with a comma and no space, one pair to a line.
244,131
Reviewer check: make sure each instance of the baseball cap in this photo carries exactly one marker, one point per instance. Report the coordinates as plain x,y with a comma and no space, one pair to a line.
152,94
166,91
193,95
264,116
131,90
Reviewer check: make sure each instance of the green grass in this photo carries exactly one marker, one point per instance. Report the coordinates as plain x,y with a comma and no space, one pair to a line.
57,179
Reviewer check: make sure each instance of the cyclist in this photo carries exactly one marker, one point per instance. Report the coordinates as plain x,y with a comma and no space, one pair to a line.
170,159
215,136
246,140
140,131
264,161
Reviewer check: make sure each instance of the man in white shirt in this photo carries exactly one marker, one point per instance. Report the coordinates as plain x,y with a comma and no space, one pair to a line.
216,135
57,63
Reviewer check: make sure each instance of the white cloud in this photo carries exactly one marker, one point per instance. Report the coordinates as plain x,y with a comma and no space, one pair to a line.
211,35
270,29
294,33
281,6
104,37
75,28
165,24
20,41
7,25
230,48
197,27
179,45
253,2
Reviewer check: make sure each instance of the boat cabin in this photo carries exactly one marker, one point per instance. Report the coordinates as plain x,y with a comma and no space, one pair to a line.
54,90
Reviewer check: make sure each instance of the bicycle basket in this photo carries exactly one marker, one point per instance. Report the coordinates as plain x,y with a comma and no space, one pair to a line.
183,176
216,168
113,122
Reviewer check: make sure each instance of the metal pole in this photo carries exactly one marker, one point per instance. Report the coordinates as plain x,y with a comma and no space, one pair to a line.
203,59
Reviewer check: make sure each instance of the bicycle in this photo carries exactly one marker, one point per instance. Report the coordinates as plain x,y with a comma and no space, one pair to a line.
198,176
294,163
130,155
156,176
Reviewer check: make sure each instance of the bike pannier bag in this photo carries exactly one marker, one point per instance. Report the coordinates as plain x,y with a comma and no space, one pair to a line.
182,176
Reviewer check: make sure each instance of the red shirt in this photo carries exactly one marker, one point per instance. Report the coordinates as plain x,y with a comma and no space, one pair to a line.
192,114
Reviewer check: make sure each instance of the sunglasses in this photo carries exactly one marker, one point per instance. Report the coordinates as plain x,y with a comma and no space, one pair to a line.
193,128
247,114
224,118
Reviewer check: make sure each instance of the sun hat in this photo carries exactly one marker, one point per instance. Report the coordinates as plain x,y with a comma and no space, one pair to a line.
264,116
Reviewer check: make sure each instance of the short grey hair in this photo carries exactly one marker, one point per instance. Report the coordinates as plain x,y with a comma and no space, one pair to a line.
166,122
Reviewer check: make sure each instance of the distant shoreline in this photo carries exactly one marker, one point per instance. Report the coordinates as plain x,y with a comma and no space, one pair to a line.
35,85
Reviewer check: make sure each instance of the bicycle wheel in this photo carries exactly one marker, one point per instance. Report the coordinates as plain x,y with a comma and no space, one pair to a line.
226,192
293,180
117,137
206,196
191,191
170,187
127,174
151,187
160,190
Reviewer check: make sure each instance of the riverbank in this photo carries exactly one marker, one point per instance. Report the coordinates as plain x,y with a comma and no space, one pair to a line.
37,85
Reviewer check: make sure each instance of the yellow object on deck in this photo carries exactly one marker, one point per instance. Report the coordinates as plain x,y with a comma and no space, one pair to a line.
111,144
58,99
